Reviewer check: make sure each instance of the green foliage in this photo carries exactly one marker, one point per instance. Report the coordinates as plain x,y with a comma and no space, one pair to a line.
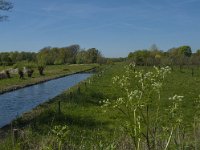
9,58
91,128
140,56
57,56
81,57
5,59
68,55
175,56
185,50
53,56
140,91
90,56
60,133
50,71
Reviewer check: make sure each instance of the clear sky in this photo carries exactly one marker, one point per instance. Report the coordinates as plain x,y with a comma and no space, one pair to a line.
115,27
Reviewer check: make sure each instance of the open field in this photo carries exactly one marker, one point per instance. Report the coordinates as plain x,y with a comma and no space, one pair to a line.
89,126
50,72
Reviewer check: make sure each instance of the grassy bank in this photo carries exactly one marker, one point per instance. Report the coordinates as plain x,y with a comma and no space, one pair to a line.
89,126
51,72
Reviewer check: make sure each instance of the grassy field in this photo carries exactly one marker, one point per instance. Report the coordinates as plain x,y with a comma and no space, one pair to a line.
89,126
50,72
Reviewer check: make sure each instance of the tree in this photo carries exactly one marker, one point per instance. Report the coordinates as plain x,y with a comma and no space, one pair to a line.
154,48
185,50
44,56
71,52
5,6
81,57
140,57
198,52
5,59
50,56
93,55
195,58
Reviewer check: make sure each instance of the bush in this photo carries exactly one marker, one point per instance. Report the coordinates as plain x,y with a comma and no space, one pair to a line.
41,70
7,73
30,72
21,73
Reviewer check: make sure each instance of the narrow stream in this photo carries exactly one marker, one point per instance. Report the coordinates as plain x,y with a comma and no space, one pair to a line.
13,104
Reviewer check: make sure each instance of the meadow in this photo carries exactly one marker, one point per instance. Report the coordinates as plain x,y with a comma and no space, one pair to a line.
50,72
82,122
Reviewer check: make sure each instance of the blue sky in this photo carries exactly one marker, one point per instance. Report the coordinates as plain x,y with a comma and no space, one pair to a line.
115,27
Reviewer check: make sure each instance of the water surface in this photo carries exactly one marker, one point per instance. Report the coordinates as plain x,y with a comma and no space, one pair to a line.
13,104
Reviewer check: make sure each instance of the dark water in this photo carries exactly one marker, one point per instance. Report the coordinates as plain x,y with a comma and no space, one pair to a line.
14,103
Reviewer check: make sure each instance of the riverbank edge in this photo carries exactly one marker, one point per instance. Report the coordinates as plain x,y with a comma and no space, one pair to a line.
45,80
5,130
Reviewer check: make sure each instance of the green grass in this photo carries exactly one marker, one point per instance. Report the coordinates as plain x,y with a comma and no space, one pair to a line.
89,125
50,72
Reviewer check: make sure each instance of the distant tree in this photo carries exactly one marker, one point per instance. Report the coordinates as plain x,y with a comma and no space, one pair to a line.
109,62
13,56
74,48
5,6
158,58
195,58
81,57
180,56
45,56
100,58
154,48
50,56
131,55
92,55
140,57
120,59
166,61
185,50
198,52
61,57
72,51
5,59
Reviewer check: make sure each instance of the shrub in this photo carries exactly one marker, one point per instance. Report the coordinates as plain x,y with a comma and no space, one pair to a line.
7,73
21,73
30,72
41,70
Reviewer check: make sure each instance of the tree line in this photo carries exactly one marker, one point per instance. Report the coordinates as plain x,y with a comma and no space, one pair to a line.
54,56
175,56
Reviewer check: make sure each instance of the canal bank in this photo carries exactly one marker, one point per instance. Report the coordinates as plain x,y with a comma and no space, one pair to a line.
47,78
15,103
